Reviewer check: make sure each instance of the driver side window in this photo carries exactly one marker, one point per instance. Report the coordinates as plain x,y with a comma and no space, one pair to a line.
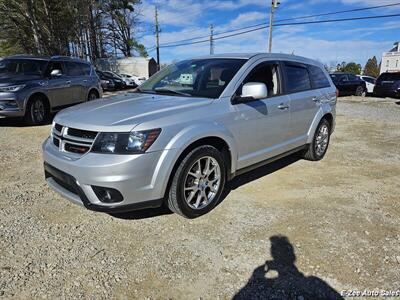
267,73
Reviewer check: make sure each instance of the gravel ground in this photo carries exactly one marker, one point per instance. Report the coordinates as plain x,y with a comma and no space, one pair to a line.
292,230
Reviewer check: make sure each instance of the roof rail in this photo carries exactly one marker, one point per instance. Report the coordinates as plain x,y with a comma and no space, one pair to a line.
61,56
29,56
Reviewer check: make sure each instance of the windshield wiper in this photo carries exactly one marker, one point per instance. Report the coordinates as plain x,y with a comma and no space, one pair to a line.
138,90
167,90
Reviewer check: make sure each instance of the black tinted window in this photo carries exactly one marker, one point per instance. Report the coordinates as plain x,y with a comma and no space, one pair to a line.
74,69
353,77
85,68
22,67
318,77
368,79
298,78
339,78
390,76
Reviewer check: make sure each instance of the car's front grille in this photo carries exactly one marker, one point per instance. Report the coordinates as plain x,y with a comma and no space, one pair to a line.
73,140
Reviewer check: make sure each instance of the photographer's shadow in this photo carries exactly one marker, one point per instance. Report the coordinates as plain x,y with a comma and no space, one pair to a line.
280,279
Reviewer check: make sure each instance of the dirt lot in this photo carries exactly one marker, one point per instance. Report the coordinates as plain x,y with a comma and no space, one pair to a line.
293,230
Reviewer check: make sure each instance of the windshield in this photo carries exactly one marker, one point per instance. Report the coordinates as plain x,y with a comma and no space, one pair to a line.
197,78
22,67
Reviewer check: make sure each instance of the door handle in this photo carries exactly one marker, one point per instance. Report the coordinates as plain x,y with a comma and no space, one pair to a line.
316,99
85,80
283,106
68,82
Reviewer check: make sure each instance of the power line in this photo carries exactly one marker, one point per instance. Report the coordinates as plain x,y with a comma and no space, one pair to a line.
284,20
283,24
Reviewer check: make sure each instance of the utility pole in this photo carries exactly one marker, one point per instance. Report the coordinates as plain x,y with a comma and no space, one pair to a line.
274,6
157,37
211,39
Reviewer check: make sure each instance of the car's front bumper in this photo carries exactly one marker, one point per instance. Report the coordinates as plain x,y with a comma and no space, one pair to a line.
10,105
141,179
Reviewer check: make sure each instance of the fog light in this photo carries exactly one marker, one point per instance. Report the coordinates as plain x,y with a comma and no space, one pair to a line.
107,195
8,104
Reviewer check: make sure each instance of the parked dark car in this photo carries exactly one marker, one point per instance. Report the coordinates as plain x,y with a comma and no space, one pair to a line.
35,87
119,84
107,83
349,84
388,84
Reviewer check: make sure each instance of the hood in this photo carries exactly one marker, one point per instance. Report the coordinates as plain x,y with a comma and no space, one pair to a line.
124,112
12,79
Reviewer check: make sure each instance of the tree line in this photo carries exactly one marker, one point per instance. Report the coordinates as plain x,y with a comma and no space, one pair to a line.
372,68
83,28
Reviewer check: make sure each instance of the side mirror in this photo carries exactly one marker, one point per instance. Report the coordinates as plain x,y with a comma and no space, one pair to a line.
56,73
252,91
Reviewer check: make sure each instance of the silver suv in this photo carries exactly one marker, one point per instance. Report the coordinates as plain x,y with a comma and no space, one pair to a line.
34,87
188,130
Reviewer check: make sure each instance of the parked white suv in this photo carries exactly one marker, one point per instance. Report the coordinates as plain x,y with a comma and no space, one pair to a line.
369,82
179,142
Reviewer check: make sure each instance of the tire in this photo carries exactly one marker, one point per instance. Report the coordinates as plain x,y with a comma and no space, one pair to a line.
360,91
186,189
92,96
37,111
314,152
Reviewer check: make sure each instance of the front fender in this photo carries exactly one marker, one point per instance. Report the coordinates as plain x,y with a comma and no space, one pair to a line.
184,139
193,133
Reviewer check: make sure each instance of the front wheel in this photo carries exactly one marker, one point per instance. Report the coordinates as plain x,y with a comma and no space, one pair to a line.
318,147
198,182
37,111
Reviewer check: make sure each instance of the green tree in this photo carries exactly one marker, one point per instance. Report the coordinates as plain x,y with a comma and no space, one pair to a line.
372,68
82,28
122,20
351,67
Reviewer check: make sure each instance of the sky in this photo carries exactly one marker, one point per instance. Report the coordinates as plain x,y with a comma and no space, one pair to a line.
330,43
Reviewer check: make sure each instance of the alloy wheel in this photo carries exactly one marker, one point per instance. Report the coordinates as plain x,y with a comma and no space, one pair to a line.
202,182
321,140
38,111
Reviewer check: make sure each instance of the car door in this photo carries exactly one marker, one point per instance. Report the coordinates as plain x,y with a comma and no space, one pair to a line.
58,86
76,82
261,126
354,83
303,101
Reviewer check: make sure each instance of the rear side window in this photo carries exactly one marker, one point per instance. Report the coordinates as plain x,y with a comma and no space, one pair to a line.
86,68
74,69
318,78
390,76
297,78
353,77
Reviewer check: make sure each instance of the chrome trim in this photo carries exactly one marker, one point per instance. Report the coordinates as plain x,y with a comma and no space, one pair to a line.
64,138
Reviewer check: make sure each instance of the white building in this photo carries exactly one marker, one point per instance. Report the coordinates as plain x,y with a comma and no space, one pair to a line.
391,60
138,66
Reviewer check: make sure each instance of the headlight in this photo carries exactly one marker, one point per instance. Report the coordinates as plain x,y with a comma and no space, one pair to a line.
12,88
125,143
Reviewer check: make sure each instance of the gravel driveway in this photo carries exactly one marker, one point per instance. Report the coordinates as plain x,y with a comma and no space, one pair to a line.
292,230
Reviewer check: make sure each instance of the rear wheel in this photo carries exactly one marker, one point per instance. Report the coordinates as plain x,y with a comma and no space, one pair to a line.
361,91
198,182
37,111
92,96
318,147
